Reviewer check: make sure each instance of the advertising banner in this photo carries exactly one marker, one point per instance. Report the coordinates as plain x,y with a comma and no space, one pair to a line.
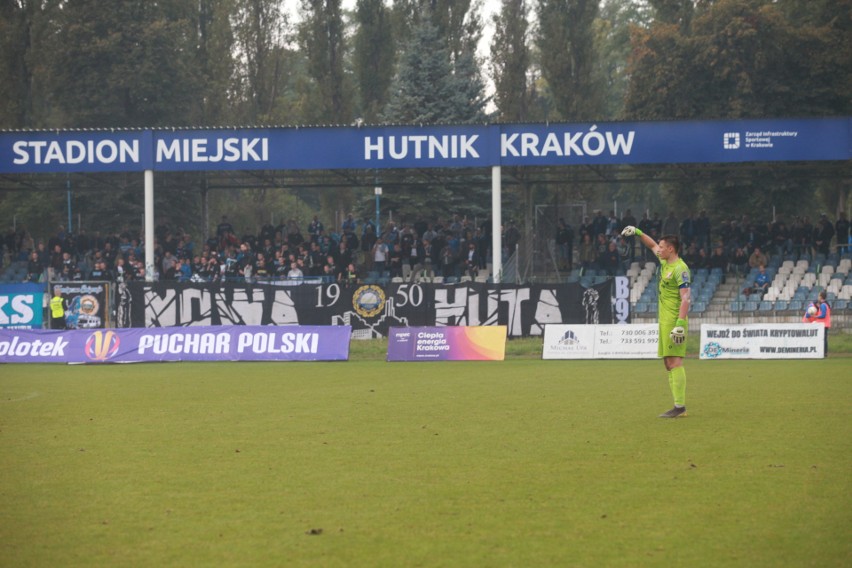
447,343
221,343
419,146
762,341
636,341
21,306
87,304
370,309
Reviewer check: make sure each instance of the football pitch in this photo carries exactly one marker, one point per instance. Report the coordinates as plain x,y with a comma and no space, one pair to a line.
367,463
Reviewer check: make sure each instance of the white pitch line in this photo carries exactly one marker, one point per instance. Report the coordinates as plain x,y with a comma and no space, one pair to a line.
20,398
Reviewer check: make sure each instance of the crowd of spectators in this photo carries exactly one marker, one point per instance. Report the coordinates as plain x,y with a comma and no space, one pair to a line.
734,245
450,247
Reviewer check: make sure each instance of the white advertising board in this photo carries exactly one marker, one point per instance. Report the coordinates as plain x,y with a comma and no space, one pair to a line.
762,341
611,341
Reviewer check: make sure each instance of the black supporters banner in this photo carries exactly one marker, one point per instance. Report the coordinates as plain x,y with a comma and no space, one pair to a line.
369,308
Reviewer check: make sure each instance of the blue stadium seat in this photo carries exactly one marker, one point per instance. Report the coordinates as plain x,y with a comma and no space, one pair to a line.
640,308
765,306
750,306
736,306
698,307
840,305
796,306
781,305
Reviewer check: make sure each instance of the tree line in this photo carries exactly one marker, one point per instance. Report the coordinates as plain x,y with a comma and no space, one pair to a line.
136,63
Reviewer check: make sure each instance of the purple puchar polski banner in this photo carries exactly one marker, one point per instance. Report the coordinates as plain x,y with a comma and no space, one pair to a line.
203,343
482,343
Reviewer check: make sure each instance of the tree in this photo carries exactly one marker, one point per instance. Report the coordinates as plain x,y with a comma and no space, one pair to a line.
132,65
428,89
19,22
566,42
740,58
458,22
676,12
744,59
215,56
612,30
510,61
321,37
373,56
259,29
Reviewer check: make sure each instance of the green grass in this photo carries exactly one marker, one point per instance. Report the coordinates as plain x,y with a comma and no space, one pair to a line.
519,463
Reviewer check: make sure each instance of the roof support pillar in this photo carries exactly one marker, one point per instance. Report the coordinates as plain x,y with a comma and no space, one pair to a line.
149,226
496,225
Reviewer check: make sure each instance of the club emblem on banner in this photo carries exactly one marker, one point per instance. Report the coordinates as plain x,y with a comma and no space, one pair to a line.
102,345
712,350
368,301
569,338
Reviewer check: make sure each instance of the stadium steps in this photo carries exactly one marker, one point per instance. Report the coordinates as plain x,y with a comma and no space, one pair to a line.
720,305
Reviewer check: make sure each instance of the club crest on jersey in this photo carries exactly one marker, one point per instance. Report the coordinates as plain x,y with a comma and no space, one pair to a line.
685,276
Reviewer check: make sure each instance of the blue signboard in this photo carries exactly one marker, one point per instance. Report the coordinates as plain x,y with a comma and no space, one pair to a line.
21,306
427,146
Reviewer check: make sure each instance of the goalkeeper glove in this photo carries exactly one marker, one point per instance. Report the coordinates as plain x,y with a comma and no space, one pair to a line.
678,334
630,230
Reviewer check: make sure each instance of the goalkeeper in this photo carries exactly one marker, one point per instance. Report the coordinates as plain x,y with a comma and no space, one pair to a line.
672,311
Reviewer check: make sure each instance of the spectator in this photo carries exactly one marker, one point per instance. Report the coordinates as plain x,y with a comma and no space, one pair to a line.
98,271
261,267
692,258
807,235
416,258
447,261
601,246
565,241
471,261
588,253
120,272
703,259
315,228
757,258
328,274
599,224
671,226
349,277
368,241
718,259
349,225
779,234
511,237
823,233
841,229
395,259
380,255
295,272
761,283
613,226
34,267
586,227
611,260
687,231
739,261
701,229
224,227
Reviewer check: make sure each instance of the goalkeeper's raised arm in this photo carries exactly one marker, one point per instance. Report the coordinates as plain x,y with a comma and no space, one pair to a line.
630,230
